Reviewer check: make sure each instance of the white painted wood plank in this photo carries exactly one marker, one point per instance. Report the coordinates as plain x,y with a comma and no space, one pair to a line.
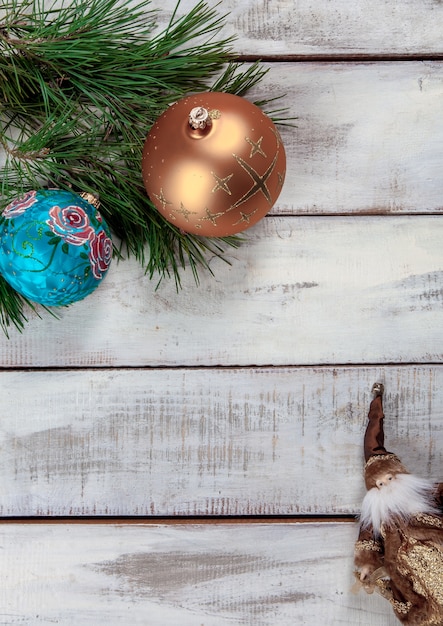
368,138
278,441
300,291
214,575
319,27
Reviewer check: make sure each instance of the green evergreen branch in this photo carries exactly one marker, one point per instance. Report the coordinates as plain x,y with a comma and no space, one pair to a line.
12,307
80,86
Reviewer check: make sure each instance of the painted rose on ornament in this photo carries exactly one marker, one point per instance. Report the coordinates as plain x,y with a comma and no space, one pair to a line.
71,223
100,254
20,205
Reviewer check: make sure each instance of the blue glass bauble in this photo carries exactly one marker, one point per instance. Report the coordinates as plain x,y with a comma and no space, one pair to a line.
55,248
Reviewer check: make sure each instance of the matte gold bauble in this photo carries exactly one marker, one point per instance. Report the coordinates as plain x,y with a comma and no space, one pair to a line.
213,164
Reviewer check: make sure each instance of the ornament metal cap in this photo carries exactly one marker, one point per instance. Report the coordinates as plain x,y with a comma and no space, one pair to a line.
92,198
199,118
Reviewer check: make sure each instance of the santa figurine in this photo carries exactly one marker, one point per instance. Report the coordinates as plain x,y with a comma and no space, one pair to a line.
399,551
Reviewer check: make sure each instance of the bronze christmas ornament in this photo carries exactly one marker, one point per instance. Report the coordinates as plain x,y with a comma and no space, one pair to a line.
213,164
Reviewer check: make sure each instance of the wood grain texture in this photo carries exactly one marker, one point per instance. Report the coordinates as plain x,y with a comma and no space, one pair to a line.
278,441
248,394
299,292
368,137
310,27
259,575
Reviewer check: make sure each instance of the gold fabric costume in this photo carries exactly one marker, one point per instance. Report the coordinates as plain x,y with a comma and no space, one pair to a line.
411,556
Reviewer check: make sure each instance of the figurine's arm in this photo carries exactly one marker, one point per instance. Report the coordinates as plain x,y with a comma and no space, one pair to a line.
368,555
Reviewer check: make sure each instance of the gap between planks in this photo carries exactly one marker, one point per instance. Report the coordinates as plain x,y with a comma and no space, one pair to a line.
338,58
221,366
181,520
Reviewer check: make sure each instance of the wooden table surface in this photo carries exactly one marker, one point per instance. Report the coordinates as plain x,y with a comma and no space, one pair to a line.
195,458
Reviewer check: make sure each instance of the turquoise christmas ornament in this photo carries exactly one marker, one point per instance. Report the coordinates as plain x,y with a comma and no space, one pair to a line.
55,248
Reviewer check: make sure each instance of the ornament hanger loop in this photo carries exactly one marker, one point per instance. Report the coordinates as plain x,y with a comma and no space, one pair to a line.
199,118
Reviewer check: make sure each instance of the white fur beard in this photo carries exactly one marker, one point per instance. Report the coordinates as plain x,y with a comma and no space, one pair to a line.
404,497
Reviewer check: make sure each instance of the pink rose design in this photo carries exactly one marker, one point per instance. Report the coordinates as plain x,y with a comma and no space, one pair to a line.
19,205
71,224
100,254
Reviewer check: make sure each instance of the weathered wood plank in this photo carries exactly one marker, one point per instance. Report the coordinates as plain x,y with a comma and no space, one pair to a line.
300,291
278,441
313,27
260,574
368,138
319,27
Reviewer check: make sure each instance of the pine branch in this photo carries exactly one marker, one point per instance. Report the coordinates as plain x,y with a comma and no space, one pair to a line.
12,307
80,86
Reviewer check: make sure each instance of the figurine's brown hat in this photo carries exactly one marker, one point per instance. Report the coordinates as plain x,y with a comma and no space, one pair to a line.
379,464
378,460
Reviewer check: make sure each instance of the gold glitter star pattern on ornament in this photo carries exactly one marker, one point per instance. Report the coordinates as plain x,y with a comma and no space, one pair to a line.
245,218
259,181
161,198
277,135
211,217
185,212
222,183
255,147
